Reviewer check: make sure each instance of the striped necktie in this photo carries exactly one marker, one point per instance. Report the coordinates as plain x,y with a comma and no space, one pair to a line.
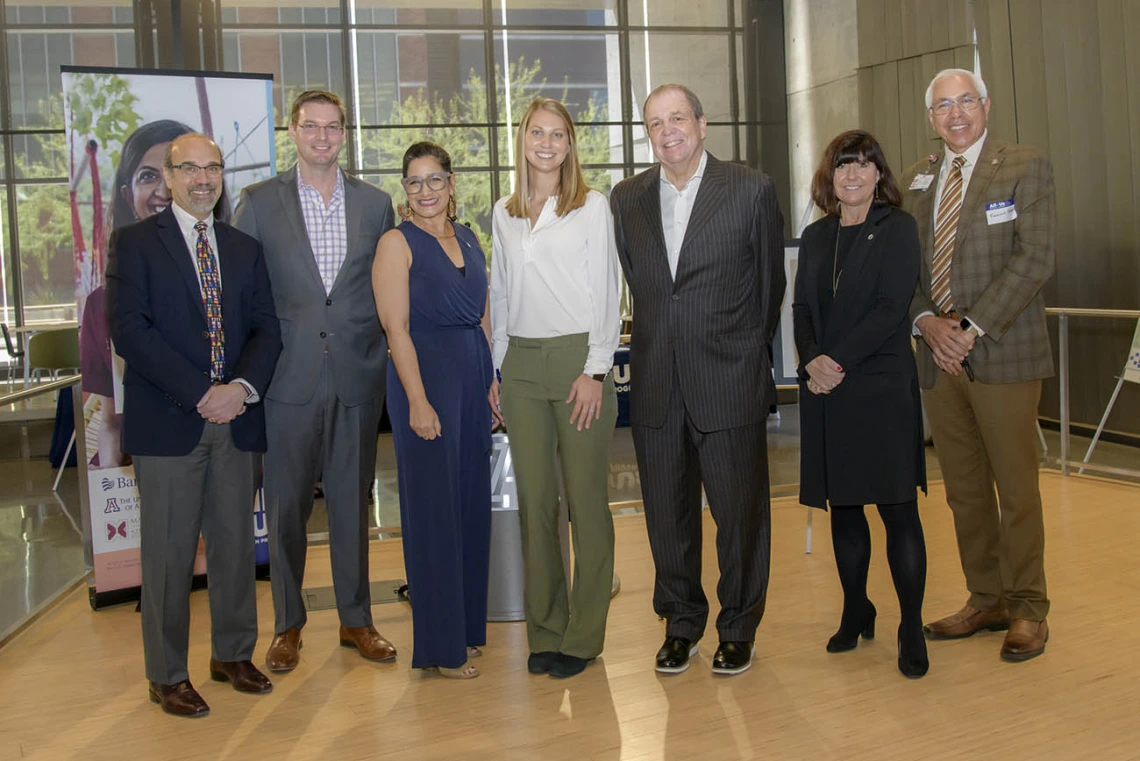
945,231
212,300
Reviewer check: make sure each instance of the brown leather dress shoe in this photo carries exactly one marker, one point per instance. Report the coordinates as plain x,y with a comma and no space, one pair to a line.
243,675
966,622
284,651
367,642
179,699
1025,639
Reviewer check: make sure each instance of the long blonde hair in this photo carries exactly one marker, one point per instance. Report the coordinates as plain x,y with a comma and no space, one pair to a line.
572,187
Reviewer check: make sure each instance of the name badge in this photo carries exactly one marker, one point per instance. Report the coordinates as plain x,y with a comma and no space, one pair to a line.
921,182
1001,211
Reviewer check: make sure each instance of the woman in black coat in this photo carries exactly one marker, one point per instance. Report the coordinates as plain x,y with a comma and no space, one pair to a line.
860,412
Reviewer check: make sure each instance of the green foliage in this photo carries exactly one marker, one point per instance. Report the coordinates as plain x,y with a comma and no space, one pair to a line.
469,146
103,107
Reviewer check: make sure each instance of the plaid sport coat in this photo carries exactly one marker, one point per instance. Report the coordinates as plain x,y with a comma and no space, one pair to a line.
998,269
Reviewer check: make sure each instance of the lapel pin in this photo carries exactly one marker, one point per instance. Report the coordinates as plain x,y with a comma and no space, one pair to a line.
871,236
994,162
933,159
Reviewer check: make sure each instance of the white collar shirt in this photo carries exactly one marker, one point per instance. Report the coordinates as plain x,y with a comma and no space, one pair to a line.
676,208
558,278
971,155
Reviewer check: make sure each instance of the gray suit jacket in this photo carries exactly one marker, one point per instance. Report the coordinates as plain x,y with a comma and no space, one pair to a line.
998,270
714,322
342,323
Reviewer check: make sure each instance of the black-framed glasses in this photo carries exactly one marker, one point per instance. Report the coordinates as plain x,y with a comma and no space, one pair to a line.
966,103
190,171
313,130
435,181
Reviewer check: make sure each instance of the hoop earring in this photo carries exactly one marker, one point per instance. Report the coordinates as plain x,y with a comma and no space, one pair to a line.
451,208
405,211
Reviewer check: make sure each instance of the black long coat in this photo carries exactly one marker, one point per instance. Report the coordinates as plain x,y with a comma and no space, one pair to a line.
862,443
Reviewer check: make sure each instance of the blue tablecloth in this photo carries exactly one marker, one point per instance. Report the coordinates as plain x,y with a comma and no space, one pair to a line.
621,383
64,428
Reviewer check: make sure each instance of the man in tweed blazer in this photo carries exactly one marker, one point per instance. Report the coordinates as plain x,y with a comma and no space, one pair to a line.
701,243
983,353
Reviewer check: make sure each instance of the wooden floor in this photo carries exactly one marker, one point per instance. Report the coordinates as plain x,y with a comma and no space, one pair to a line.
71,687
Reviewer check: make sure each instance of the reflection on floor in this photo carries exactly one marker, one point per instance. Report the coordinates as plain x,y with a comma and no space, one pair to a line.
41,550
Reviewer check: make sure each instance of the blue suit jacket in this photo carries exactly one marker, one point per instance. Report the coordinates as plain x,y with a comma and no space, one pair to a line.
158,325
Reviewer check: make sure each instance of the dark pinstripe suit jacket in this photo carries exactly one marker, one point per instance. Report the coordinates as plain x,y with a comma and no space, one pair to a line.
998,270
717,318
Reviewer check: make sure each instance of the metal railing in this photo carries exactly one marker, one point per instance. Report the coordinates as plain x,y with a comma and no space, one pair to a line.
1063,314
28,393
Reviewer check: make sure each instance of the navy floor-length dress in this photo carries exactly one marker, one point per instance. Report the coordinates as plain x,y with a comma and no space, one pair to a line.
445,484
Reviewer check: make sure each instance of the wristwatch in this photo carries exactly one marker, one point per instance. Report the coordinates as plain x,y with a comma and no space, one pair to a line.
600,377
967,325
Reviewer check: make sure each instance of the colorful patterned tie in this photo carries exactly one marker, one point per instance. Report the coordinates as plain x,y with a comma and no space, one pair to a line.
945,231
212,300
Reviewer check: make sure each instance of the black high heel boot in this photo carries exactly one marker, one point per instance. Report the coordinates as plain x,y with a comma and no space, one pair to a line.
913,663
848,635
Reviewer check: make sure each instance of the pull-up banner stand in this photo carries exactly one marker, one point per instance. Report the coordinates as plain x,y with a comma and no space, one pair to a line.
1132,375
118,123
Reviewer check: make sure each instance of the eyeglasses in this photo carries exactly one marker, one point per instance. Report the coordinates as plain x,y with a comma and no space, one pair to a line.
190,171
437,181
312,130
966,103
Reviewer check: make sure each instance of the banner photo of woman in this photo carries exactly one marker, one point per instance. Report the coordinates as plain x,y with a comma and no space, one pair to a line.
118,124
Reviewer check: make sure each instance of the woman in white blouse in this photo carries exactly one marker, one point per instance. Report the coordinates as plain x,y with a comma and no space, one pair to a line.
555,326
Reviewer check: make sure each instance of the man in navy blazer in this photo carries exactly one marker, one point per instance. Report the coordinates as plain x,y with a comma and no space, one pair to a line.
191,312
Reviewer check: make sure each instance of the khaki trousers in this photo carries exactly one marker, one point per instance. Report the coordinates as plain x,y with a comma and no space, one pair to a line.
537,373
985,435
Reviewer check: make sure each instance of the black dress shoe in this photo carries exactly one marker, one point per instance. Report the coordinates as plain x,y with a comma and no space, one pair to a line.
733,657
564,665
913,663
540,663
849,631
673,657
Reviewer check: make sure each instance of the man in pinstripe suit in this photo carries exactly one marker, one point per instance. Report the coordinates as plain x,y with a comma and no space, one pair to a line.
701,243
986,217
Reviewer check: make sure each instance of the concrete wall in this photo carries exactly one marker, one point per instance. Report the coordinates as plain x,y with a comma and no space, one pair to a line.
822,54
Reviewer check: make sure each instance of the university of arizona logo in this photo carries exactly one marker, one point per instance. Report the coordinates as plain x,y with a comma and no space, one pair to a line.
112,506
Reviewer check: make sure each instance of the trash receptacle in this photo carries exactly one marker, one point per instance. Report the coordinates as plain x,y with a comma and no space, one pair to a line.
505,582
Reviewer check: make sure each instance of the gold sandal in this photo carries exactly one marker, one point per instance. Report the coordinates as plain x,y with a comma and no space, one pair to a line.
466,671
474,652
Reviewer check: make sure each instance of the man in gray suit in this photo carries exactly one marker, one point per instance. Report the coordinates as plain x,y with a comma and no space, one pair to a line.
319,228
701,243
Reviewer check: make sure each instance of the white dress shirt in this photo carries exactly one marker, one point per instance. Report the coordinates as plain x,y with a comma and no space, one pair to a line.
676,208
556,279
971,155
186,222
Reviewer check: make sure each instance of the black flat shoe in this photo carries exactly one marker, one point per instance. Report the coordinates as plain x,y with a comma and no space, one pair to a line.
564,665
733,658
848,636
540,663
674,655
913,663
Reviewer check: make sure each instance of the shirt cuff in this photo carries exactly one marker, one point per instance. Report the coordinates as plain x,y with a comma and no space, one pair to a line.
252,397
914,325
977,327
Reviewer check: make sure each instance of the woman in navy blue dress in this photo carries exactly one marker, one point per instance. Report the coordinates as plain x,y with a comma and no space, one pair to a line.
430,281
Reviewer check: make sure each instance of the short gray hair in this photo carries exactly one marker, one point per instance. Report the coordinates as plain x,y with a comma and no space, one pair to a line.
979,84
694,101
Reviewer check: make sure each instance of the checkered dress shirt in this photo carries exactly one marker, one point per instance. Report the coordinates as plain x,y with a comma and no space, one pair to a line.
326,226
